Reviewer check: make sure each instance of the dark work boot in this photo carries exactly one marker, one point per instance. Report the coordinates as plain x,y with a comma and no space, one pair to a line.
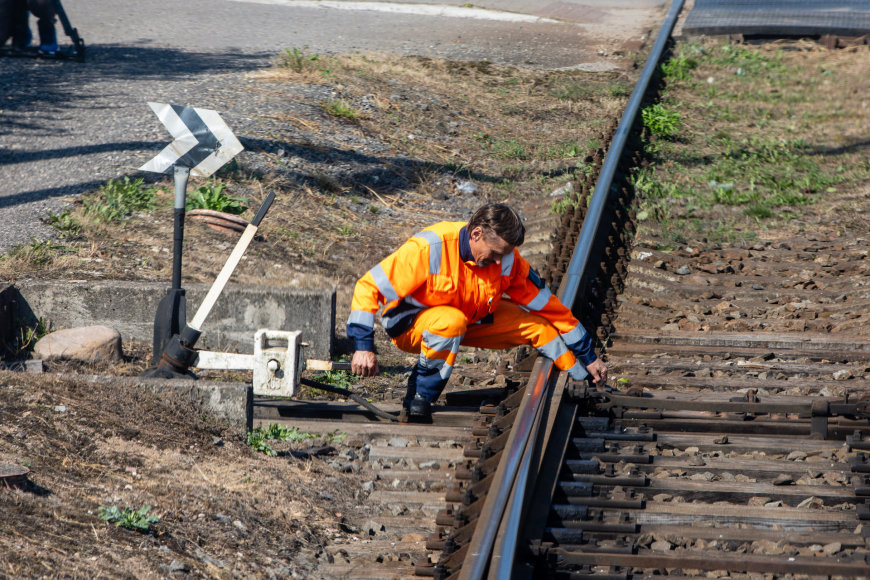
419,410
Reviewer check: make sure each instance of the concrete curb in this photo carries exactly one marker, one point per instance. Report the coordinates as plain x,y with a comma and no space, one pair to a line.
230,402
130,307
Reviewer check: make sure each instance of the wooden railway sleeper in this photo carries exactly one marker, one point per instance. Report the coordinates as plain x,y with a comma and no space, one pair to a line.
615,503
603,427
745,563
640,480
589,543
617,457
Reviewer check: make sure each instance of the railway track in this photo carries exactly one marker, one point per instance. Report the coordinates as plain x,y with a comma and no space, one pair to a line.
734,443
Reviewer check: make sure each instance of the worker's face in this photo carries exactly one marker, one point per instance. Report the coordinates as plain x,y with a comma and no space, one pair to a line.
487,248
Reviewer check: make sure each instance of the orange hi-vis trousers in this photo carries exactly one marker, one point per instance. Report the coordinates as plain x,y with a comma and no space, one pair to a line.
438,331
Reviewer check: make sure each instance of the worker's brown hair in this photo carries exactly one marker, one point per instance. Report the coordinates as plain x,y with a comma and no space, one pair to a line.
501,220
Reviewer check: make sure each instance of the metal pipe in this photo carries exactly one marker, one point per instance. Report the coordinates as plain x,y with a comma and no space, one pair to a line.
480,550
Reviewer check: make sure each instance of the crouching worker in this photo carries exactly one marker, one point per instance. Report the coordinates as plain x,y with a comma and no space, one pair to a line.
443,288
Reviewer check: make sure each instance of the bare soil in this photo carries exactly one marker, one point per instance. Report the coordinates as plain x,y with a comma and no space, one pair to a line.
349,191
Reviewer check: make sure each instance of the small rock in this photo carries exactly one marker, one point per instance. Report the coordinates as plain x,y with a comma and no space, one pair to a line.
812,503
466,188
352,467
843,375
433,465
723,440
683,271
661,546
238,524
374,527
783,479
832,548
770,548
565,190
347,528
398,442
88,344
758,501
176,566
60,409
660,265
368,486
796,456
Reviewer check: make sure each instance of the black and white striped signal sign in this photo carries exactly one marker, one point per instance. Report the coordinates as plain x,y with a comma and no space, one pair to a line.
203,142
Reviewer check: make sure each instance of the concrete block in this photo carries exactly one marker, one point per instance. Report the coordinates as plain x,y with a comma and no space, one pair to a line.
232,403
130,307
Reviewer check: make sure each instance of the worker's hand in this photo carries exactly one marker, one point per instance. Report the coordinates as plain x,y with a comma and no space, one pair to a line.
598,371
364,363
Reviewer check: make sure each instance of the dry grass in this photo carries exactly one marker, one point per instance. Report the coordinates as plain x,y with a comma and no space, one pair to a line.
118,446
781,127
440,120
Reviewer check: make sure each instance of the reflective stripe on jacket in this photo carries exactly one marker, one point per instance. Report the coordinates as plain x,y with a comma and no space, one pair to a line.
435,267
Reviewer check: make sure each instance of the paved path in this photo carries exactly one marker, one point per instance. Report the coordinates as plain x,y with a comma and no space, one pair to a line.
68,127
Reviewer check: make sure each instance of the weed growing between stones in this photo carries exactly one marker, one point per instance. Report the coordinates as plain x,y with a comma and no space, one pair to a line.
748,138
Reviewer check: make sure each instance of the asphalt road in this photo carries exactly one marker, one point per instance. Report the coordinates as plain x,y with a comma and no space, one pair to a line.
68,127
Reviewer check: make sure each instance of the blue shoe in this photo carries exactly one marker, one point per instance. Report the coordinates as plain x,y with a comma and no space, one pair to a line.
48,50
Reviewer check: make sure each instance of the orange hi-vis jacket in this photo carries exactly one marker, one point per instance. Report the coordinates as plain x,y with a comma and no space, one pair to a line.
435,267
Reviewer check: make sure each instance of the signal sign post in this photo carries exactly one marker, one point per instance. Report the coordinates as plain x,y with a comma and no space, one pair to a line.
202,144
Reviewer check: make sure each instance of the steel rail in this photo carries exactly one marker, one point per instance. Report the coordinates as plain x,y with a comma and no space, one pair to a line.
513,468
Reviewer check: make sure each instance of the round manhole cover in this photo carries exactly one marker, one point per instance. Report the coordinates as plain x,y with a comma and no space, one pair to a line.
12,475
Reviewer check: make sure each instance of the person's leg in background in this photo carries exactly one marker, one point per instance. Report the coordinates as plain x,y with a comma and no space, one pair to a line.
13,23
45,11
